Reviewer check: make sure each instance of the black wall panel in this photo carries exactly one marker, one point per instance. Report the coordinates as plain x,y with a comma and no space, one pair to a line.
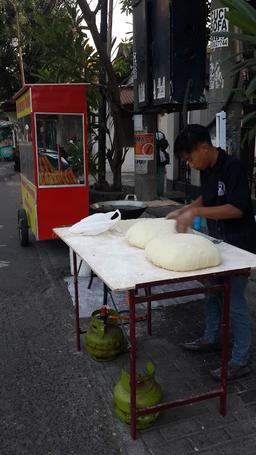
140,54
188,48
170,50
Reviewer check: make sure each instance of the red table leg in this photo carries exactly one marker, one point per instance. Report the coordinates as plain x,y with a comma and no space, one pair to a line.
221,392
149,319
131,300
78,346
225,347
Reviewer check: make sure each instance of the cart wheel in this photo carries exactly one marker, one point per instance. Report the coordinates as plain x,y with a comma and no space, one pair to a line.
23,227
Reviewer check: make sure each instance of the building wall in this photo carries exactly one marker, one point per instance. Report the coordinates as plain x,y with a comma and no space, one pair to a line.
169,124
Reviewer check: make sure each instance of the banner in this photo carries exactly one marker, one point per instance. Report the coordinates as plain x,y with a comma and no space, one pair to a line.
144,146
23,104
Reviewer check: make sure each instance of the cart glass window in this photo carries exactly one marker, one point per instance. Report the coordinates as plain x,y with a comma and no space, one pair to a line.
24,141
60,149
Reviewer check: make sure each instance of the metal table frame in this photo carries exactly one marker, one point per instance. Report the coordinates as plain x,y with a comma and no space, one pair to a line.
134,298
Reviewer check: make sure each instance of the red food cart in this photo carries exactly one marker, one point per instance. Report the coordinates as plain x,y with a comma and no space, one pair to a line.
52,141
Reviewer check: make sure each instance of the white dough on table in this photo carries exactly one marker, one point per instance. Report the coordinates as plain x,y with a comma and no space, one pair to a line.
145,230
122,226
122,266
182,252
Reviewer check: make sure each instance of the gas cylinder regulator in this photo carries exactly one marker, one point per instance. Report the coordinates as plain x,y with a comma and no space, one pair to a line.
105,339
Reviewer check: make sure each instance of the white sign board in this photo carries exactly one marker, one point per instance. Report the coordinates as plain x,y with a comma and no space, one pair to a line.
219,24
141,166
159,88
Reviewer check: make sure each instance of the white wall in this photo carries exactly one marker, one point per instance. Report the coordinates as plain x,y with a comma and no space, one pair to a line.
169,125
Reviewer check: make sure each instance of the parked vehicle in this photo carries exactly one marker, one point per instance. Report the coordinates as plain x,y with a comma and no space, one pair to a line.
6,140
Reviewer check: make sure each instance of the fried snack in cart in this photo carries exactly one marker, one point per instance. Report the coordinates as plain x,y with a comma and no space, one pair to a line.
50,176
73,177
45,165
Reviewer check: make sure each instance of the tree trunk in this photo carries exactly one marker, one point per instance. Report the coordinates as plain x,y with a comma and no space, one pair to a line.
116,156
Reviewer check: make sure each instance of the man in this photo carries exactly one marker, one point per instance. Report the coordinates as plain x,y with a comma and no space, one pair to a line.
226,204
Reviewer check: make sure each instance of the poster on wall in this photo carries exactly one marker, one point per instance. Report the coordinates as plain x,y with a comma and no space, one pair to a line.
144,146
141,166
219,24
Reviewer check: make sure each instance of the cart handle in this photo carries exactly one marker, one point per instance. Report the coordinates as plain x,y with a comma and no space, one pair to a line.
130,197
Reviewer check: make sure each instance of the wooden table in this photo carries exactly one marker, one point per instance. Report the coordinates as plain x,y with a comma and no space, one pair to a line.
125,268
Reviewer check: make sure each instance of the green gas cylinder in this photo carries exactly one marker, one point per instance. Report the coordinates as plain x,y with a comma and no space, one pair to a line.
148,393
104,340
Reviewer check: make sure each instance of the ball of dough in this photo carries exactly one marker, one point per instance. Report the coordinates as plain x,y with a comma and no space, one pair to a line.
182,252
122,226
145,230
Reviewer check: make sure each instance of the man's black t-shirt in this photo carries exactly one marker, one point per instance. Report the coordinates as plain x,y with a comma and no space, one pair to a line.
226,183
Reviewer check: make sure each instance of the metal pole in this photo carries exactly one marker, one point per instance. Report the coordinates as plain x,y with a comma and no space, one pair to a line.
78,344
103,106
131,302
149,312
221,130
145,170
110,22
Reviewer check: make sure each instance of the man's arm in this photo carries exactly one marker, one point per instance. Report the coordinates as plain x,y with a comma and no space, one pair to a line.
175,213
220,212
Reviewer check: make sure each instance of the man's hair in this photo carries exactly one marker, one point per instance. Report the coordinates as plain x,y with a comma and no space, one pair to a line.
189,139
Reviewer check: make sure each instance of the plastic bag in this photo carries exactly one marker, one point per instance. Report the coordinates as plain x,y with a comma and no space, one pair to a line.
96,224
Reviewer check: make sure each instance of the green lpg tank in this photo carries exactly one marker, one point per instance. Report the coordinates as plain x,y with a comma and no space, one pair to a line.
104,340
148,393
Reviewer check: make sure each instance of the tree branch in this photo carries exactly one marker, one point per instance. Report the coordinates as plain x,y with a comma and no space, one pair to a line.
126,150
49,7
89,18
112,89
98,7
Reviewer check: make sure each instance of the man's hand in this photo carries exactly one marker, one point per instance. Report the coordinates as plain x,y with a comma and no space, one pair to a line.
174,214
184,220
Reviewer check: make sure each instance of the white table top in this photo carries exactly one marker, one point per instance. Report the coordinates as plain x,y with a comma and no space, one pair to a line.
122,266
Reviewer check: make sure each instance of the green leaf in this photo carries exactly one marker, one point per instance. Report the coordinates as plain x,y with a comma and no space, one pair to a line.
232,57
249,63
251,89
243,8
247,118
251,135
241,22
